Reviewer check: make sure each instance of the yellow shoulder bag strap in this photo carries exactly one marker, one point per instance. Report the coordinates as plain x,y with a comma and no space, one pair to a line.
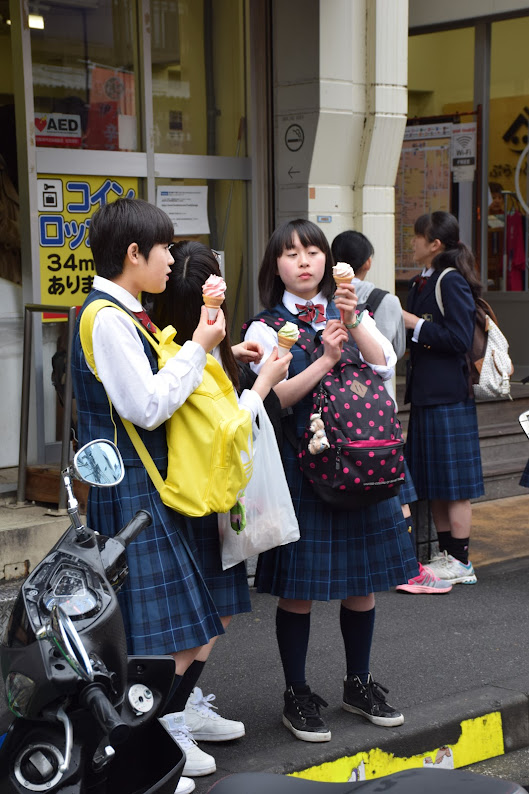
86,328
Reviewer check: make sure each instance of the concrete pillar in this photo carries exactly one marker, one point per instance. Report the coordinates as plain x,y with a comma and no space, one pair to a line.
340,74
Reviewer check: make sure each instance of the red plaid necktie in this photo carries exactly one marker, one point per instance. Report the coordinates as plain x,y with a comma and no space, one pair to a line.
311,312
145,320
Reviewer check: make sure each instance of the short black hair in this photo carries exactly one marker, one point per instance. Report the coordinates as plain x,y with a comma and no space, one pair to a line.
116,225
271,287
352,247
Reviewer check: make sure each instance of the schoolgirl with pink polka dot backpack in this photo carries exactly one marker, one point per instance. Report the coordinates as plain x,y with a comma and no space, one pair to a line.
343,457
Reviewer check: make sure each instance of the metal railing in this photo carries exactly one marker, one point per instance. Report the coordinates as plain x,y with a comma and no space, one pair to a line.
29,310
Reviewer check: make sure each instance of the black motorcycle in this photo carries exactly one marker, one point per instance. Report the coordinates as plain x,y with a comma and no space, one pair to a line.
85,713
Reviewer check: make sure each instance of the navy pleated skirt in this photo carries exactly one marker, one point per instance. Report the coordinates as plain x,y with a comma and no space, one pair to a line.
165,603
340,553
442,451
228,589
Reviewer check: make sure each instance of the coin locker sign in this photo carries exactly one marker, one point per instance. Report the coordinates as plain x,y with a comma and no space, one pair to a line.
66,205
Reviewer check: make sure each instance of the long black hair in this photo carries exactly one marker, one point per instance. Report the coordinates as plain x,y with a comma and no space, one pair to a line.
271,287
444,227
181,302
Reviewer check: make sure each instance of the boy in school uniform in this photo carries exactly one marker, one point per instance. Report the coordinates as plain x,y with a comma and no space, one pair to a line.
167,608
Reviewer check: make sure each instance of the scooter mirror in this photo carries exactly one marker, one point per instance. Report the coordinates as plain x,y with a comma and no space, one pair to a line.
99,463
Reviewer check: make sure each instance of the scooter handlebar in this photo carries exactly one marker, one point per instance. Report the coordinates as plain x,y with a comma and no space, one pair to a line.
137,524
112,725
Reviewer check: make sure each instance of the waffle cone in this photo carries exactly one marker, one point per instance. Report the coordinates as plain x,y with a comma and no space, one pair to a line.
346,280
285,342
213,302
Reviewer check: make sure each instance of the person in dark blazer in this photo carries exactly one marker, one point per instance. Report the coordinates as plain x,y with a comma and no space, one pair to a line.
442,448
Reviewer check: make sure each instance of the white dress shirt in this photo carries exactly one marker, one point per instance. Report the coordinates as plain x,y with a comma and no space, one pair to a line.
267,337
144,398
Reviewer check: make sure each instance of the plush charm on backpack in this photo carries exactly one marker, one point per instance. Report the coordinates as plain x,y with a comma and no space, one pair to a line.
319,441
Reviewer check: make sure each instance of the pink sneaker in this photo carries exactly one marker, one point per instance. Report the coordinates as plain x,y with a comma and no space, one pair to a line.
425,582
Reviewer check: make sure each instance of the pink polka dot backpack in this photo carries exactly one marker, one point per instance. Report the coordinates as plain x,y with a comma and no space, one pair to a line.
352,449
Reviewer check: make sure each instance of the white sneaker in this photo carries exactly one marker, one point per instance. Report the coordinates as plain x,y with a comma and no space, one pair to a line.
185,786
198,762
205,724
446,567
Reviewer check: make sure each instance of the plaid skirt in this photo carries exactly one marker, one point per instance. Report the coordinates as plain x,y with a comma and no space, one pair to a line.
340,553
442,451
407,492
228,589
524,480
165,603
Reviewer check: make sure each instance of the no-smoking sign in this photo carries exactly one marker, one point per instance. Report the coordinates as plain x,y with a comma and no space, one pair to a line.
294,137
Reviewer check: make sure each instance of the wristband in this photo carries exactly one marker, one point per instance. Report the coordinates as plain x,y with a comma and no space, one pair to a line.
351,326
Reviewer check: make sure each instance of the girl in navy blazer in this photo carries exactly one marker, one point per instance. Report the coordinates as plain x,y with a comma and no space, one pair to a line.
442,447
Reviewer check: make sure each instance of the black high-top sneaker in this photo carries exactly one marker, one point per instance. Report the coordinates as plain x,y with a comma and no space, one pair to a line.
369,700
301,715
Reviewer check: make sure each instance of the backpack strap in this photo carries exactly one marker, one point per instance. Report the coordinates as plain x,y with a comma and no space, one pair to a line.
374,299
86,328
438,293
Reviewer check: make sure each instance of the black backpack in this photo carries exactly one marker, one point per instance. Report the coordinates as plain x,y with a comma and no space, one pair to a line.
363,462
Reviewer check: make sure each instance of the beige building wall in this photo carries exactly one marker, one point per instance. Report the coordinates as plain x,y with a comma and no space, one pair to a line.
340,116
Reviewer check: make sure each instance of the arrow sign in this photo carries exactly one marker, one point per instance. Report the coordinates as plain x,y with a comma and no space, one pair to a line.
291,172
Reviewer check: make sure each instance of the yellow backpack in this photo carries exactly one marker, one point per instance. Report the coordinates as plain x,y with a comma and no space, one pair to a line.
209,438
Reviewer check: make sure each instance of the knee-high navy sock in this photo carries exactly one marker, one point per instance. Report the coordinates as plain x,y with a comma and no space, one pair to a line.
167,707
357,632
181,690
292,631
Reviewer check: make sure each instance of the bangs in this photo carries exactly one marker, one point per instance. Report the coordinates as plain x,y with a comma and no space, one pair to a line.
308,233
422,226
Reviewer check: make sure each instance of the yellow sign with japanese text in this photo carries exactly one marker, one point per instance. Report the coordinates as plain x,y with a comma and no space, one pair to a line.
66,205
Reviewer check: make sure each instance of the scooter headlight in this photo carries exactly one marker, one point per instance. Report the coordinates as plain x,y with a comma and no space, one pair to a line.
19,691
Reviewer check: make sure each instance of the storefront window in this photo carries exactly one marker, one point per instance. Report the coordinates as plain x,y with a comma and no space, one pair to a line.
508,138
10,264
440,113
198,77
84,81
215,215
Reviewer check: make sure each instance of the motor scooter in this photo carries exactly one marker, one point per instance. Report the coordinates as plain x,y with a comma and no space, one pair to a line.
85,713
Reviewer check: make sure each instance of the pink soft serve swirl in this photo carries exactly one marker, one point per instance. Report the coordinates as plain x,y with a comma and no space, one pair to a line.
214,286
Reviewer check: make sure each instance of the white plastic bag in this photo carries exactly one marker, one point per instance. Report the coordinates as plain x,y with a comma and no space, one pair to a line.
270,517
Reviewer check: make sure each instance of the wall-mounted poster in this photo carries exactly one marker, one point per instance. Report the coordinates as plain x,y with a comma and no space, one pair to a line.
187,206
423,182
66,205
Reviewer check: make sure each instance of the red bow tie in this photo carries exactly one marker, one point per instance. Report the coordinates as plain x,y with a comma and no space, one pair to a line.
421,282
310,312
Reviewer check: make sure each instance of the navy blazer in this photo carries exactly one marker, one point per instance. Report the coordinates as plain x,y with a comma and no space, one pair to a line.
437,368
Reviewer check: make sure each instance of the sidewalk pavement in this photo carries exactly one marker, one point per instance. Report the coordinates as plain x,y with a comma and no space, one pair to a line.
455,664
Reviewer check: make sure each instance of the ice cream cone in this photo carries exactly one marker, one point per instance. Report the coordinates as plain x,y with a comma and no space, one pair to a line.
284,344
213,305
346,280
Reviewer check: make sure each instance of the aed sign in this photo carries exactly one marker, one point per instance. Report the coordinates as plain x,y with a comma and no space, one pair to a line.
58,129
66,205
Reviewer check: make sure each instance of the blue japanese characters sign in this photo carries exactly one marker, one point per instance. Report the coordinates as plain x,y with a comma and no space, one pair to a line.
66,205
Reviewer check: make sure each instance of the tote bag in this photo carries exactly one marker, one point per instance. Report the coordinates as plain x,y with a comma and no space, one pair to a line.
270,517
